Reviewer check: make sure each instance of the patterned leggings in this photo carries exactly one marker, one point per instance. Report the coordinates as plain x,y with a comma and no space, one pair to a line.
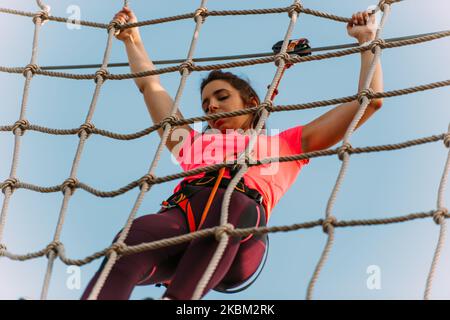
184,264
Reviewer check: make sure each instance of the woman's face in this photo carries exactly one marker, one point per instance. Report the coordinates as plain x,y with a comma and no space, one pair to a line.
220,96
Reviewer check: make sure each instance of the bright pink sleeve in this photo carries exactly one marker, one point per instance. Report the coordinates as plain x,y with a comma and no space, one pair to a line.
293,136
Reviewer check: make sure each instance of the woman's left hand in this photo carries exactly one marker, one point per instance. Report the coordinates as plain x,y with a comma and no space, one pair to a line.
363,26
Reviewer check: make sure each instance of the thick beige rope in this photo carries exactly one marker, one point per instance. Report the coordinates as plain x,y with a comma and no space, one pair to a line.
68,187
336,54
18,131
16,184
344,157
185,70
183,16
243,232
439,218
175,122
277,108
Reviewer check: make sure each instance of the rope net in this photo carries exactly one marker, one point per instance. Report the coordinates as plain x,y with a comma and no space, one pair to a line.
55,249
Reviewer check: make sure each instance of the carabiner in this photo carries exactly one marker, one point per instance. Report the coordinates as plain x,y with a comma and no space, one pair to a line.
167,205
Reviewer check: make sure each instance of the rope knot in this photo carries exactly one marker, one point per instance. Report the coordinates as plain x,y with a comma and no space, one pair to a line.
116,25
329,223
268,105
384,2
22,125
11,183
148,179
3,249
30,67
282,57
368,93
296,7
71,184
87,128
447,140
345,148
186,65
226,228
53,247
377,43
202,13
42,15
169,119
101,73
440,215
118,247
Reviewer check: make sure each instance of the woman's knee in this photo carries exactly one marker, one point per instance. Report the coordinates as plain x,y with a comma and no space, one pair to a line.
245,264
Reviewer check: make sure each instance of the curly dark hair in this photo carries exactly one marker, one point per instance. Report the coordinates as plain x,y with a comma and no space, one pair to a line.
246,91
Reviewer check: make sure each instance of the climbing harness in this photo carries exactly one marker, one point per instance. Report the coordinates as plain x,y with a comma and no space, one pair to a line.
212,179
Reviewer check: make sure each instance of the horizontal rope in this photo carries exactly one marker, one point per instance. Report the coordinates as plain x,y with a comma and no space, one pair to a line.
53,18
180,122
229,57
156,180
184,16
123,249
293,60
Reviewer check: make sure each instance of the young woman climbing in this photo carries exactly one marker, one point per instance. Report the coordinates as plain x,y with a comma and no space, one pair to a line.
196,201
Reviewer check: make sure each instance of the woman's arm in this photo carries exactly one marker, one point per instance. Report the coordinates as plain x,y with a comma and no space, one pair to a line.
330,128
158,101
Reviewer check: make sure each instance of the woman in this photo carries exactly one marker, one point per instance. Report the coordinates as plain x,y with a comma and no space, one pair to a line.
180,267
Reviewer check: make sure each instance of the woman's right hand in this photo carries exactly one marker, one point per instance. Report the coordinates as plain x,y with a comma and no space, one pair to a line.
126,15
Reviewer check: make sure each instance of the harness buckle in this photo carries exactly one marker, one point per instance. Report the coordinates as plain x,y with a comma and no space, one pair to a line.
167,205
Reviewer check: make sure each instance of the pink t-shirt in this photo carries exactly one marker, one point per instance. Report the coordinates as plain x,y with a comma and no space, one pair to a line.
271,180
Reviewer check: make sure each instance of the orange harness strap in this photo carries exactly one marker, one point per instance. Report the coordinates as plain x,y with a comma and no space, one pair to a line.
186,207
211,196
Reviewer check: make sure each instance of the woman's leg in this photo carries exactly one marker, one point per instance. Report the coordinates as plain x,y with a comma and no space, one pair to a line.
242,213
132,269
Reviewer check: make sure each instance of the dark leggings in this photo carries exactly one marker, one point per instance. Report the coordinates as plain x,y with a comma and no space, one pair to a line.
184,264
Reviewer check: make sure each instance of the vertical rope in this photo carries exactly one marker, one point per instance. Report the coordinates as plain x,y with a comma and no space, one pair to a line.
19,131
184,69
328,225
223,240
70,184
43,6
440,220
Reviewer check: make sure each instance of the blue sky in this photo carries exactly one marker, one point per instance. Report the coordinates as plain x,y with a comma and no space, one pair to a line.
377,185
